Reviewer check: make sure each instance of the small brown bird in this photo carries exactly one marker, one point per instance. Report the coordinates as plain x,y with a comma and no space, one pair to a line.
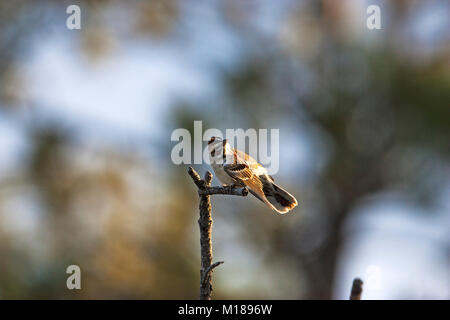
236,168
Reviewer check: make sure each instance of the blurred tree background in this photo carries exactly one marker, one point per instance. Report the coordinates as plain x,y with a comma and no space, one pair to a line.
364,118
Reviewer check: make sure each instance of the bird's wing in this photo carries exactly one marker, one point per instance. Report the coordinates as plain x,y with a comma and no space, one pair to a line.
247,170
239,171
243,157
255,167
243,173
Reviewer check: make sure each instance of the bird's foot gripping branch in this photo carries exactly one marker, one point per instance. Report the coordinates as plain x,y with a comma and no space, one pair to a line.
205,190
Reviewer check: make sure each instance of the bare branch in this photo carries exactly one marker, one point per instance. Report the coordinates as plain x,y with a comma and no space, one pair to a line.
208,178
196,178
356,289
205,223
210,269
243,192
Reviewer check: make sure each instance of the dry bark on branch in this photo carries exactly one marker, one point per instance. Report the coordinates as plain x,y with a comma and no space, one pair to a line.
356,289
205,223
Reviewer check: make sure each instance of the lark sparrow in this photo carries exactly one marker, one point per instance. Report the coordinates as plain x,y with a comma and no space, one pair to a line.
236,168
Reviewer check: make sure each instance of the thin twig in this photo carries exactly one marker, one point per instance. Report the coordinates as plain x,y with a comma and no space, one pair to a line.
196,178
224,190
356,289
205,223
210,268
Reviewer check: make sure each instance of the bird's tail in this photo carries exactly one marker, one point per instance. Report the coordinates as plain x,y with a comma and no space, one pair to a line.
276,197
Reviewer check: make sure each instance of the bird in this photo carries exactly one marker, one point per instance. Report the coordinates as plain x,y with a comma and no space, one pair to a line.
237,169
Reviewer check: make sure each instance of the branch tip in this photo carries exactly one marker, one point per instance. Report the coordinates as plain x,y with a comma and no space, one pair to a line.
210,269
208,178
356,289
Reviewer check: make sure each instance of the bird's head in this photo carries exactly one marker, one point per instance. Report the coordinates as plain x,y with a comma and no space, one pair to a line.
217,146
214,140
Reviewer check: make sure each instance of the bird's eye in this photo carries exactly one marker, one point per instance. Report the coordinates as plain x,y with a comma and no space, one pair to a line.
211,140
